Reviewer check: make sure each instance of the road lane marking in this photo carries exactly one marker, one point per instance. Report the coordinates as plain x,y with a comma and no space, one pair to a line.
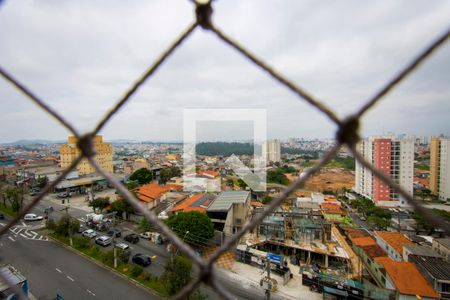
23,223
23,235
1,224
58,270
87,290
70,278
11,239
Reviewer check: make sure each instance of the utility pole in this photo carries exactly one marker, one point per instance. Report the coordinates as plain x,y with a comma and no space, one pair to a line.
266,282
70,225
114,241
176,253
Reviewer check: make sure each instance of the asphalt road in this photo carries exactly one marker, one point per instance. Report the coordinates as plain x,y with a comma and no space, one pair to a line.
60,266
51,269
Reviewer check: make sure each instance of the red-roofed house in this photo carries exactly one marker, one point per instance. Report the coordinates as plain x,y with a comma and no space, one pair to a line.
199,202
392,243
209,173
405,278
152,194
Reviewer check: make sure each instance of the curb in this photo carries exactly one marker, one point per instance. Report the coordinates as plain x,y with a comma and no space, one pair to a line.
112,270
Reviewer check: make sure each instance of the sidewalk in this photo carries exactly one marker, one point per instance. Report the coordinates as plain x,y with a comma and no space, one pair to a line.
249,276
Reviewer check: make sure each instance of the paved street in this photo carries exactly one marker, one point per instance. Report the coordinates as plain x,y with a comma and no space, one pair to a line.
53,269
75,277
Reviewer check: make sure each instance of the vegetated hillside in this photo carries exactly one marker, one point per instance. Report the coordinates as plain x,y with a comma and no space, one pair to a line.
224,148
228,148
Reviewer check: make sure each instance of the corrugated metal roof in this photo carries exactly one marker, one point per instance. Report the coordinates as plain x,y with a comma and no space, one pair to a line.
438,268
13,276
224,201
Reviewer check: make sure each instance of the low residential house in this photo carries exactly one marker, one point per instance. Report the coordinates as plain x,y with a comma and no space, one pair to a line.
152,194
199,202
229,211
332,212
405,278
436,271
419,250
392,243
368,250
13,277
442,247
204,181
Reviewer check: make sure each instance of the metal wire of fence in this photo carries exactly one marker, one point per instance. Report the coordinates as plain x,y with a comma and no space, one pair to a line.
346,134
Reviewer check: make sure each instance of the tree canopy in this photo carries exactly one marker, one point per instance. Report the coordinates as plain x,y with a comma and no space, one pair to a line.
167,173
142,176
199,227
277,176
99,203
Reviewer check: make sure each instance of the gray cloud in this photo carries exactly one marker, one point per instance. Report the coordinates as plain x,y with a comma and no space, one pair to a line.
81,56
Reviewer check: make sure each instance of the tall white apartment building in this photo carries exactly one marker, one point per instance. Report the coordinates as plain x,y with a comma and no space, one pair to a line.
271,150
392,156
440,167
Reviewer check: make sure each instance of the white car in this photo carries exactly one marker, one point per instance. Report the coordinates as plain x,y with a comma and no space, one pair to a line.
89,233
33,217
146,235
122,246
103,240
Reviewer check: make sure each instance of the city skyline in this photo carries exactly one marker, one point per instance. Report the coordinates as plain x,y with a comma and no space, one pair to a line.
369,44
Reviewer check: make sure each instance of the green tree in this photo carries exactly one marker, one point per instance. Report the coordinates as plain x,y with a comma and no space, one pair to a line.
122,206
145,225
197,224
42,181
65,224
277,176
14,196
177,274
267,199
99,203
167,173
241,183
123,255
131,185
142,176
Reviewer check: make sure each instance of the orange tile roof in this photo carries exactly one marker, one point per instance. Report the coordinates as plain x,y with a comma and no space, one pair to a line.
423,181
374,251
303,194
332,208
330,198
186,205
406,278
353,233
394,239
256,204
151,191
209,172
364,241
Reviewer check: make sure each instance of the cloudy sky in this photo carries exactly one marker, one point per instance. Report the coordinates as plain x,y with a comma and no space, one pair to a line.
80,56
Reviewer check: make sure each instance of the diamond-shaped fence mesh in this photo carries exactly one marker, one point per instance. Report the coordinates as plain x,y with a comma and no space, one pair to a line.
347,134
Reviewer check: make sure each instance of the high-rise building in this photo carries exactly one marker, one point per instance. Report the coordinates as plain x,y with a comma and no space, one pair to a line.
392,156
104,151
440,167
271,150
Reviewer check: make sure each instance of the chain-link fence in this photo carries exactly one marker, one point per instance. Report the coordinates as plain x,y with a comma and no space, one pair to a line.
347,134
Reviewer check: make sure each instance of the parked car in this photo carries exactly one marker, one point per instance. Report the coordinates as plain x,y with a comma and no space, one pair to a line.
122,246
89,233
114,232
2,216
103,240
81,228
33,217
102,227
132,238
48,210
141,259
63,195
146,235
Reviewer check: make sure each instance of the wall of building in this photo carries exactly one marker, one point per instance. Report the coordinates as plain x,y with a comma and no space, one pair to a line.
444,170
104,151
